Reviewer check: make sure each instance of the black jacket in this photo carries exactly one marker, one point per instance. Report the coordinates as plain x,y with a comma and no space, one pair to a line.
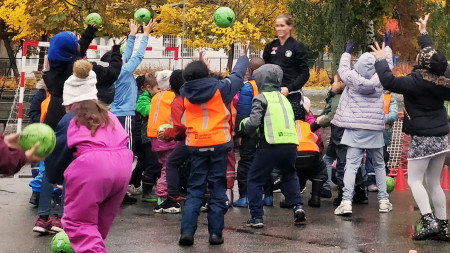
425,114
292,57
35,106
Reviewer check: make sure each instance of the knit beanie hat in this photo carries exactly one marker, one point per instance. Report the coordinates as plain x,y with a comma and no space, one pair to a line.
162,77
63,48
433,61
365,66
80,86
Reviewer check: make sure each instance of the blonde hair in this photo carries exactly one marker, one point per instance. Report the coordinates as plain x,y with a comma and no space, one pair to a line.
287,18
81,68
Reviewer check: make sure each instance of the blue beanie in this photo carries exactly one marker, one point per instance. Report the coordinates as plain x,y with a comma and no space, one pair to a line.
63,48
365,66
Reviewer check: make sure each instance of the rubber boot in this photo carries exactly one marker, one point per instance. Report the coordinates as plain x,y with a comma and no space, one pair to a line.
360,196
337,201
429,229
147,194
314,201
443,234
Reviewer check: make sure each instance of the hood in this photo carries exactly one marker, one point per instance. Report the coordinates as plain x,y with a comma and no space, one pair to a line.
63,48
268,77
365,66
199,90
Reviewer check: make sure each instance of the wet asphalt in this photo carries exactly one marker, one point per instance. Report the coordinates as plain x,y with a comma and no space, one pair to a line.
138,229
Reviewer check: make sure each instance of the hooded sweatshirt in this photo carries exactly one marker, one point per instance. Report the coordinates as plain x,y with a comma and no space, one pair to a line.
202,90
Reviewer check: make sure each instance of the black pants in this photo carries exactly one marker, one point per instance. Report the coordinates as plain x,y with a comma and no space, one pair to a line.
310,166
177,169
247,153
147,167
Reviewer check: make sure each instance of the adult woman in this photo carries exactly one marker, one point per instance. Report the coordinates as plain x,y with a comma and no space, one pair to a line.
424,91
292,57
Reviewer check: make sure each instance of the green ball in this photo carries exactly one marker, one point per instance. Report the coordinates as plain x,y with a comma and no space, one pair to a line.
163,127
94,18
61,243
224,17
142,15
38,132
390,184
122,48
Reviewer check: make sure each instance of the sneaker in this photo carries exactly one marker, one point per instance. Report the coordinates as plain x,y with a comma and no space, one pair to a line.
43,226
132,190
186,240
268,200
34,199
344,209
372,188
56,225
168,206
299,215
127,200
215,239
255,223
385,206
242,202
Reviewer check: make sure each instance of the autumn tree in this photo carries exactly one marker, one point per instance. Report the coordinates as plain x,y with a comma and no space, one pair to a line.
254,22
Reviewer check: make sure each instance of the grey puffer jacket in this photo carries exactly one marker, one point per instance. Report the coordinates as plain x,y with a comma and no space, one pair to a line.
361,105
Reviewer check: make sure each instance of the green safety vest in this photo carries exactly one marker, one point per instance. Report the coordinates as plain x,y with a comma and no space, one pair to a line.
279,124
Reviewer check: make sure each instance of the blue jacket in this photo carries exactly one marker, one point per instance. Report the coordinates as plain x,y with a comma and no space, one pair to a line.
202,90
126,89
62,156
35,107
245,102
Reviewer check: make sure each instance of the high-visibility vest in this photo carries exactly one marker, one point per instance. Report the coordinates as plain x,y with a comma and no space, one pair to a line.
160,112
254,87
279,124
207,124
306,139
44,106
387,102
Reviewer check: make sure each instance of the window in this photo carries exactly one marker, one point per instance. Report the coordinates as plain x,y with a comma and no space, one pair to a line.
169,41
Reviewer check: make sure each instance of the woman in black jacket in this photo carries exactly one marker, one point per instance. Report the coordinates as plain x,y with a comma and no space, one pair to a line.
424,91
292,57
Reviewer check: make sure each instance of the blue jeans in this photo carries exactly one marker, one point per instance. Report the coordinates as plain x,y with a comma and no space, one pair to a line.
354,157
369,166
276,156
328,162
45,198
206,167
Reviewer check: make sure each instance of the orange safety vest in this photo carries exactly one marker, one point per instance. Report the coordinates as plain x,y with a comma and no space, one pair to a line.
44,106
207,124
306,139
387,102
254,87
160,112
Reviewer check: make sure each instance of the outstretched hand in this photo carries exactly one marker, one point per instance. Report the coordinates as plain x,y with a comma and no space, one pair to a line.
422,23
245,49
148,28
349,47
134,27
202,57
378,52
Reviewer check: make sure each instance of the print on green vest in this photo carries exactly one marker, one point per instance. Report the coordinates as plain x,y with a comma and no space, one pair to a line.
279,124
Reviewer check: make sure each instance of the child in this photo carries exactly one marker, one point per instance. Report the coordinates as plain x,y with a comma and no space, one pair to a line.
97,178
361,113
273,117
247,147
391,112
160,114
124,104
13,156
332,101
180,154
152,169
206,117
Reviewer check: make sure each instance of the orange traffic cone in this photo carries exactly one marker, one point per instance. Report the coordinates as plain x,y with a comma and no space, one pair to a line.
400,182
445,183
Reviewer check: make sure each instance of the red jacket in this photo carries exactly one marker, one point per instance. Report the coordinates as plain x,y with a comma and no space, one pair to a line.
178,132
11,159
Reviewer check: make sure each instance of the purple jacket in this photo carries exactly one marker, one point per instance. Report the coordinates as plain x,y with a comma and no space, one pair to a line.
361,105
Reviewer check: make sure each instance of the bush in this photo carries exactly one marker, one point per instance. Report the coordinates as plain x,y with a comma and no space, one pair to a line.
318,78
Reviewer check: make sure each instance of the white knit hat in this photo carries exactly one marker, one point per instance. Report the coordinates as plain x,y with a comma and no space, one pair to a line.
80,89
162,77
